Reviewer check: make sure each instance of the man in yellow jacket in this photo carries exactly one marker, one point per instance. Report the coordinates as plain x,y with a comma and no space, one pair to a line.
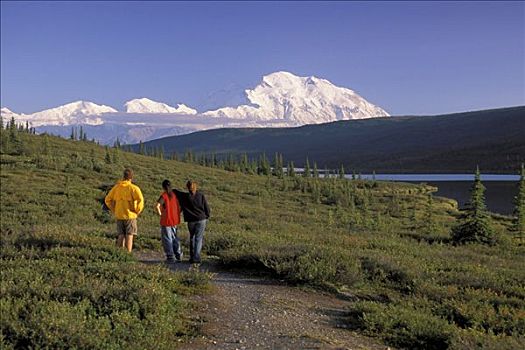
126,202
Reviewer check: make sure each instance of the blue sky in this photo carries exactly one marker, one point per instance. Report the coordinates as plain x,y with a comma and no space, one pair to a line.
407,57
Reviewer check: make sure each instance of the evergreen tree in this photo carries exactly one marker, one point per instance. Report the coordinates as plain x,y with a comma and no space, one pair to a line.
107,157
280,173
341,172
474,225
306,172
264,165
278,166
12,130
14,143
519,209
141,147
245,165
1,123
353,175
115,158
291,169
275,171
316,171
373,175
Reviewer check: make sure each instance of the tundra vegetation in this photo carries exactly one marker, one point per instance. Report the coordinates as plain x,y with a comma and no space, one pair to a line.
387,247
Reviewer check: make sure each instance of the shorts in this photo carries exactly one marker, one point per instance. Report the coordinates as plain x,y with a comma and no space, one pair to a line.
127,227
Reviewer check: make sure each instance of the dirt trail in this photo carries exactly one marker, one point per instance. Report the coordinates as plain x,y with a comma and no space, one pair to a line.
255,312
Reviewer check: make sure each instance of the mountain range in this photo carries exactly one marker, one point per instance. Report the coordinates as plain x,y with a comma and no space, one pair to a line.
281,99
493,139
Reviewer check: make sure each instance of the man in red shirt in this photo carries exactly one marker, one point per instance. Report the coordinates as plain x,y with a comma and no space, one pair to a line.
169,210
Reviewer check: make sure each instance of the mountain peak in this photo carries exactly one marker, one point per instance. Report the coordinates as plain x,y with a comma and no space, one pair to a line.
283,96
147,106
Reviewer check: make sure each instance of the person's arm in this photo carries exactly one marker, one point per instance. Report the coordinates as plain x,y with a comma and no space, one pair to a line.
206,207
178,194
159,205
110,202
139,199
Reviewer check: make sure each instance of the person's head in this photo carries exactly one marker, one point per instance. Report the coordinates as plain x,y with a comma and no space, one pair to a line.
191,186
166,185
128,174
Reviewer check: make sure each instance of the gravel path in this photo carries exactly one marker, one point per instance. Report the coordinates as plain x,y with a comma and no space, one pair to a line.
255,312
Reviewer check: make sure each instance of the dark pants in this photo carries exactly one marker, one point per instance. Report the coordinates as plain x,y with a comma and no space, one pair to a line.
196,229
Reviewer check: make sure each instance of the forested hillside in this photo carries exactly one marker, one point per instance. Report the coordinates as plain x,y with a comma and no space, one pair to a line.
493,139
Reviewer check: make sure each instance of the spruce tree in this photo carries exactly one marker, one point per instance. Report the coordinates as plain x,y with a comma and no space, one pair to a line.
264,165
115,158
519,209
141,147
291,169
341,172
12,130
107,157
276,165
306,172
245,164
316,171
474,225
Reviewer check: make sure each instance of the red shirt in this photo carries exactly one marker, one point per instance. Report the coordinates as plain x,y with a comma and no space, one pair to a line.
170,215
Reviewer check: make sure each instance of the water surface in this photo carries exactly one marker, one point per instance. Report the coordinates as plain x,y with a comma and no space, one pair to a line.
499,194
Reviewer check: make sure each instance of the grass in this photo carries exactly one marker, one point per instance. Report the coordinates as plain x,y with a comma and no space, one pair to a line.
381,242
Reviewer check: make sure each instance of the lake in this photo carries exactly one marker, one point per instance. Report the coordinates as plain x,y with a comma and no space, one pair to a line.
499,195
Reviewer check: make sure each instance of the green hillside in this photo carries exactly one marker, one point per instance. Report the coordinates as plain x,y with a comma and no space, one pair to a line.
383,246
493,139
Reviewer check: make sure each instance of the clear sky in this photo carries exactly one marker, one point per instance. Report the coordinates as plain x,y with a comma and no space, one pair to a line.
407,57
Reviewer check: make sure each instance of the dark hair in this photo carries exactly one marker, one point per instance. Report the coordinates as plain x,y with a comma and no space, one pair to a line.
191,186
166,185
128,174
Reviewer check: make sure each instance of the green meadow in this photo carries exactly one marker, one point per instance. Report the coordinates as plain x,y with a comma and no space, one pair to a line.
383,246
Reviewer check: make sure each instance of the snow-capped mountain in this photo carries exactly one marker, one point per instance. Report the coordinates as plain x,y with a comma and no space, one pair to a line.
145,105
7,114
79,112
282,99
300,100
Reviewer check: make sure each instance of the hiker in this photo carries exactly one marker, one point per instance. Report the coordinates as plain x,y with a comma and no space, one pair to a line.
126,202
196,213
169,211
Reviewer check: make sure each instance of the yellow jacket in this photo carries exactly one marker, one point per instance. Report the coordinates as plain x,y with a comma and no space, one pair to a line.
125,200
